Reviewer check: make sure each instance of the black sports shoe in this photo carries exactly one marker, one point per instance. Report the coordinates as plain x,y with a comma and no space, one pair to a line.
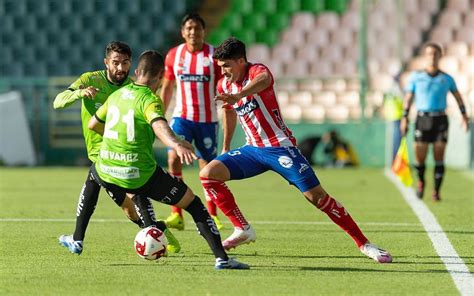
420,188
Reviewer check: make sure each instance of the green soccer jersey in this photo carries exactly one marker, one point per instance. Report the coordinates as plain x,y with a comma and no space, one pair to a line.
126,155
97,79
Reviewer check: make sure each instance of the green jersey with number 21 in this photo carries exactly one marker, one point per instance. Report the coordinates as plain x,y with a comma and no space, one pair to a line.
126,155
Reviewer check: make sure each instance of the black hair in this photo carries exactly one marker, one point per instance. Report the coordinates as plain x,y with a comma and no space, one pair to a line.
150,63
230,49
434,45
118,46
195,17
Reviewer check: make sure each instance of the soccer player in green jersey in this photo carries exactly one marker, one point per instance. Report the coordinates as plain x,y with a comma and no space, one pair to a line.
93,89
129,121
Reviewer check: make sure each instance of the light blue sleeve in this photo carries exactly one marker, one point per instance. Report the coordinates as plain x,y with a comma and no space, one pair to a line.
410,87
452,84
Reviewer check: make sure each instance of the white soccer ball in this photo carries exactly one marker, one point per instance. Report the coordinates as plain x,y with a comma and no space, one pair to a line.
150,243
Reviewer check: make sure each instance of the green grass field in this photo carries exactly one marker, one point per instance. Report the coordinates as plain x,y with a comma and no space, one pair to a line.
298,252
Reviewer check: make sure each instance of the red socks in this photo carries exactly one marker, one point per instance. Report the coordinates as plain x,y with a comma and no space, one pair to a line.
211,208
224,199
338,214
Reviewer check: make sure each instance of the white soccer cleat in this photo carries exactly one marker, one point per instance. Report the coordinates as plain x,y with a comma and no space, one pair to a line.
73,246
376,253
240,237
231,263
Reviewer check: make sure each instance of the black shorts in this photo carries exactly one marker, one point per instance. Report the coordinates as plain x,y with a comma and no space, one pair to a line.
161,187
431,128
118,196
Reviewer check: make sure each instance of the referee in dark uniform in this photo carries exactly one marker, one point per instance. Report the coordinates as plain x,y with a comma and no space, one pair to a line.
429,89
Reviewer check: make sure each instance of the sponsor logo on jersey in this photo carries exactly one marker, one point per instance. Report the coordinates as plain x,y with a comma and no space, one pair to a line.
247,108
124,173
303,167
194,78
285,161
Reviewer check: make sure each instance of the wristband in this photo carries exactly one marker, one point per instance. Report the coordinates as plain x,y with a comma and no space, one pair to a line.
462,108
406,112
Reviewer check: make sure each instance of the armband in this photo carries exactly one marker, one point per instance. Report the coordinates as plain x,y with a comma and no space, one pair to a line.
462,108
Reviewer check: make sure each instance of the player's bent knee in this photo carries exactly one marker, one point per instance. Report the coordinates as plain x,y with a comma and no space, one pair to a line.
128,208
315,194
186,199
215,170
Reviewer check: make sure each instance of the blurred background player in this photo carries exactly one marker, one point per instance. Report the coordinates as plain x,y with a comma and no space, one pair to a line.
429,89
248,93
129,122
195,114
93,89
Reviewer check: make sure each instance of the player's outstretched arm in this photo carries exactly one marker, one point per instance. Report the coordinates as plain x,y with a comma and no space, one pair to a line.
183,148
69,96
259,83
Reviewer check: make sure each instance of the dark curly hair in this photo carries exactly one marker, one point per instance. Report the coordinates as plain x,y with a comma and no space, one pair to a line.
230,49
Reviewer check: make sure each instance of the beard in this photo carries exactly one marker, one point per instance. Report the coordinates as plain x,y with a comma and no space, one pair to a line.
118,79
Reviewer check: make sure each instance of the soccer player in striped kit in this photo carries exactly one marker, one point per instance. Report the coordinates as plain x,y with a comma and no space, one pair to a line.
248,94
191,67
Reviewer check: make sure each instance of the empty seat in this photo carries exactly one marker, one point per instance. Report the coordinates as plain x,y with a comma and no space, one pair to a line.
315,6
277,21
308,52
325,98
293,36
465,34
337,114
318,36
267,36
334,85
431,6
283,98
288,85
410,5
301,98
459,49
350,20
264,6
303,21
321,68
292,113
349,99
276,67
331,53
467,67
462,82
345,68
442,35
355,112
313,85
328,20
469,20
258,52
342,37
314,113
287,6
450,19
283,52
297,68
459,5
257,21
381,82
449,64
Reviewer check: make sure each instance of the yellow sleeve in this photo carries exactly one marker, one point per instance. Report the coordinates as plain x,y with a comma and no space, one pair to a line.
153,112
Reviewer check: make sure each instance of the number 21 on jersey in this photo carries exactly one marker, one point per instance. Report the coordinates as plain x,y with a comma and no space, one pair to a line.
113,117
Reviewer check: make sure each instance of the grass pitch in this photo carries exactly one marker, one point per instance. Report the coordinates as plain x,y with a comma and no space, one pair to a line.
298,251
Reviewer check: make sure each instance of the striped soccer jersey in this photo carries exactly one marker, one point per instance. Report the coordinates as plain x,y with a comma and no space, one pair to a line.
259,114
196,75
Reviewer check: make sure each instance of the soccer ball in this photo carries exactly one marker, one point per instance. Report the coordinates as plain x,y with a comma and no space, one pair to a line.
150,243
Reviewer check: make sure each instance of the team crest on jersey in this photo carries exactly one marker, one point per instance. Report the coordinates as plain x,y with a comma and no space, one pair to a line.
285,162
206,62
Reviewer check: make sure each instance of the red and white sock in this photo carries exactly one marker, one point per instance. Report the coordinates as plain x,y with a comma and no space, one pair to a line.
173,208
224,199
338,214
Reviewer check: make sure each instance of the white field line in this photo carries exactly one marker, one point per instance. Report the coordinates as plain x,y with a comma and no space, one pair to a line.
57,220
455,266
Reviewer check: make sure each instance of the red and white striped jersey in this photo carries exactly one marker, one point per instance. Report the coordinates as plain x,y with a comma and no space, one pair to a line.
196,75
259,114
